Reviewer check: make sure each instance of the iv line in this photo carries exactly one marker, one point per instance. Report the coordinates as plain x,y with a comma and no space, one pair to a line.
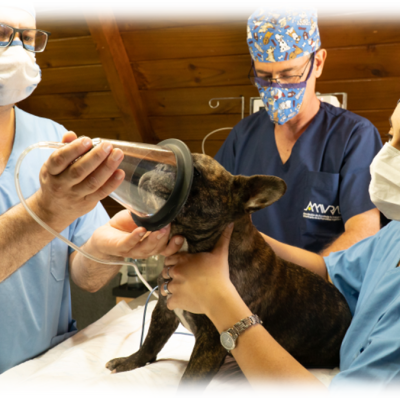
56,145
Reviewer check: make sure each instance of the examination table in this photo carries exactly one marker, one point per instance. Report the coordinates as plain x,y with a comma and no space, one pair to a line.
78,364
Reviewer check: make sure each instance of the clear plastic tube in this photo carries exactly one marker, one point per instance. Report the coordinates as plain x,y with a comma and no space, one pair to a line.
211,133
56,145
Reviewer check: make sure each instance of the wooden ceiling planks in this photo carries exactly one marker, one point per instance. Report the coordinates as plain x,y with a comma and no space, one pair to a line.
62,25
179,65
86,78
132,18
382,93
360,62
60,107
229,38
120,76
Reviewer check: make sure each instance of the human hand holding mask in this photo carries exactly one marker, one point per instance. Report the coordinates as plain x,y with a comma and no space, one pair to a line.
384,188
73,180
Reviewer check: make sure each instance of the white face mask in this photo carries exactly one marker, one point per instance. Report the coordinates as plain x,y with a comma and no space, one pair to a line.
19,74
384,188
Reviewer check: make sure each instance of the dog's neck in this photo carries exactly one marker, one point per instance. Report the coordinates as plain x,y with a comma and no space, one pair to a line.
244,237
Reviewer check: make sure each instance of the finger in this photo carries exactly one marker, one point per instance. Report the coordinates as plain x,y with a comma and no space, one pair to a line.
172,301
101,174
146,247
105,190
152,244
69,137
223,242
123,221
174,245
62,158
174,259
166,286
85,165
166,273
123,242
160,241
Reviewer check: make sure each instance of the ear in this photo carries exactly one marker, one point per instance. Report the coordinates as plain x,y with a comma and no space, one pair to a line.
319,62
258,191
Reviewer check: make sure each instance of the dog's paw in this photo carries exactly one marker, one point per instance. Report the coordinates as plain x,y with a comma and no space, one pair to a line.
121,364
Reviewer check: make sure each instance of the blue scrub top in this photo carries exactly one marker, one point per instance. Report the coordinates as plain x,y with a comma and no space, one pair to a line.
35,303
327,174
368,275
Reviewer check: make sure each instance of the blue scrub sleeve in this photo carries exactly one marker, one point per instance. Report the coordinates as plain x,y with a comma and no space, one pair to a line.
227,153
355,177
347,268
377,363
85,226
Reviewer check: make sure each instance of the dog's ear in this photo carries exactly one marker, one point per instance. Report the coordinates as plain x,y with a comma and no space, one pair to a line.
258,191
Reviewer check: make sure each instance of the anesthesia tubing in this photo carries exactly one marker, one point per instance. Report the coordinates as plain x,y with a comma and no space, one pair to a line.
56,145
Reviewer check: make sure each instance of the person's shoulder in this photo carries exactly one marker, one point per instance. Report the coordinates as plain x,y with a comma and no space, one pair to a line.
46,128
346,117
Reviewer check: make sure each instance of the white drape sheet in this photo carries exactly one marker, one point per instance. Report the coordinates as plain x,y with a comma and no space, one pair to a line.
79,362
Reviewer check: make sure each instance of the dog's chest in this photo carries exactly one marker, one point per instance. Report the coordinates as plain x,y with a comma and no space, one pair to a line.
180,313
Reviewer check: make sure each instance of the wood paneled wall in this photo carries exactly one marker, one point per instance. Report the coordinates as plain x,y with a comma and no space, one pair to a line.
179,66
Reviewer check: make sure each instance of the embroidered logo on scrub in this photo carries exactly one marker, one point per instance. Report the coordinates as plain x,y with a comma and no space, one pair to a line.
319,211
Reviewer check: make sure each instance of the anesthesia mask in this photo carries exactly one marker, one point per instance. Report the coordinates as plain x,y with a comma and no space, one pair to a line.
157,180
157,183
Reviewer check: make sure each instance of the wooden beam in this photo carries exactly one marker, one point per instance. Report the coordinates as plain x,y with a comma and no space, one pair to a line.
121,79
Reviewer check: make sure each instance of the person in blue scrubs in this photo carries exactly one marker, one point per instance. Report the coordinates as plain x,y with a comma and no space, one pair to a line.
367,274
322,152
35,303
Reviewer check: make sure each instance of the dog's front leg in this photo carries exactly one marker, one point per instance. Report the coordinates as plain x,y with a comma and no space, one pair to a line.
163,324
207,357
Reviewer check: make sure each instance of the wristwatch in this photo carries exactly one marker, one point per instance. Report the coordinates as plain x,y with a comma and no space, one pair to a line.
228,338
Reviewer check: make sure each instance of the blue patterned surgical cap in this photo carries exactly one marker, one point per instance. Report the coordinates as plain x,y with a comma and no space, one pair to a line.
275,35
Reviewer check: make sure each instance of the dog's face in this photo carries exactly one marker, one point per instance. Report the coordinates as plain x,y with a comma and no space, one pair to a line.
216,197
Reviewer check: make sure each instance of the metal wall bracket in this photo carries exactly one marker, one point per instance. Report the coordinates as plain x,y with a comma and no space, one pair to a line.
227,98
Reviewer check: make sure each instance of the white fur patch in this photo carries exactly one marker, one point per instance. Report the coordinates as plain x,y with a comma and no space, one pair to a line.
179,314
178,311
185,246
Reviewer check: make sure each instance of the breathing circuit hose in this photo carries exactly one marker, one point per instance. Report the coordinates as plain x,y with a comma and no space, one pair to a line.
56,145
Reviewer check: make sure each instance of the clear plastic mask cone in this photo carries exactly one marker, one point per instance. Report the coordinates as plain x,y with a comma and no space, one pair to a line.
154,174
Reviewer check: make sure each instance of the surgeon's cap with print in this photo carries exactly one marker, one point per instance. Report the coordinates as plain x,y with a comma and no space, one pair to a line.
25,5
275,35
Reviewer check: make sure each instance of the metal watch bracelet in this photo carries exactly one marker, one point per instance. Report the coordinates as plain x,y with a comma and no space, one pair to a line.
229,337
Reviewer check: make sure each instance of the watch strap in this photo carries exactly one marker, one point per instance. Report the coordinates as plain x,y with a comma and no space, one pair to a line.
241,326
245,323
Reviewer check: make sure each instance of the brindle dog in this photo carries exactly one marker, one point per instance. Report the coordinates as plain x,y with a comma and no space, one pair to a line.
305,314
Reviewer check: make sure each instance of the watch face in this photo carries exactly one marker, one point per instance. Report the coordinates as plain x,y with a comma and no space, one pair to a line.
227,341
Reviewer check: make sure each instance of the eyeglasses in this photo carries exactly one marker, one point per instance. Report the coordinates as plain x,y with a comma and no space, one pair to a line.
284,80
33,40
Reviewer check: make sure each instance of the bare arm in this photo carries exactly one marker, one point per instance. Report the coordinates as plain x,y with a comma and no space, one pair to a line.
20,237
118,239
307,259
356,228
69,190
200,284
259,355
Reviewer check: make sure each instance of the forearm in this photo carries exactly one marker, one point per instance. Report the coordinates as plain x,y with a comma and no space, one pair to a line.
90,275
357,228
311,261
344,241
258,354
21,237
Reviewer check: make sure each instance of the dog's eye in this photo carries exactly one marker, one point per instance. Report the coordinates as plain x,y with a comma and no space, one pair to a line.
196,172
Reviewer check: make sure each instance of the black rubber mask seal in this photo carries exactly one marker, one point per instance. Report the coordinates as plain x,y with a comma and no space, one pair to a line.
180,193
